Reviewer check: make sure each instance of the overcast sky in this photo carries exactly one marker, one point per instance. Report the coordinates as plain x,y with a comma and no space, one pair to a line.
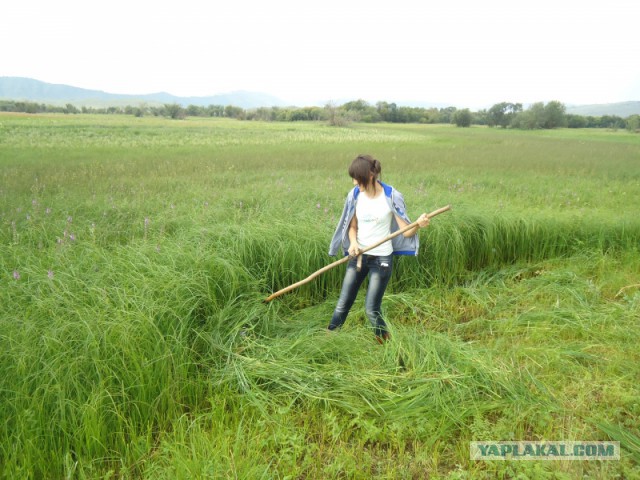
458,52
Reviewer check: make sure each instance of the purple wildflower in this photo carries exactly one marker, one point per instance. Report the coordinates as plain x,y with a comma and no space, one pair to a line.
47,211
317,205
50,274
72,237
16,275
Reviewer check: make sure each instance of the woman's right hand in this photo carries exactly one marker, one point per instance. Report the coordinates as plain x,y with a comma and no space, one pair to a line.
354,249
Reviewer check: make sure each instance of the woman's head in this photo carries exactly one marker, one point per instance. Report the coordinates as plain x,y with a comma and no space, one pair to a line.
365,170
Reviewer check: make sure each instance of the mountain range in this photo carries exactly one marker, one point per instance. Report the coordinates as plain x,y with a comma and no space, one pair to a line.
28,89
621,109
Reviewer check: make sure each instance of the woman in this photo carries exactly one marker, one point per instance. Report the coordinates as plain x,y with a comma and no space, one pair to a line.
372,211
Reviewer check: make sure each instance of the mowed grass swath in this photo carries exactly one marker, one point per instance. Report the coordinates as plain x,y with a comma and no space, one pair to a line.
136,254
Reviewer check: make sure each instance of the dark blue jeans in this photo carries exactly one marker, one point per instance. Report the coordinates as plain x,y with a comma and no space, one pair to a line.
378,269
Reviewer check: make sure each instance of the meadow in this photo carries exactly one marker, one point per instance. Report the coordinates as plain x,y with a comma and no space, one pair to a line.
135,255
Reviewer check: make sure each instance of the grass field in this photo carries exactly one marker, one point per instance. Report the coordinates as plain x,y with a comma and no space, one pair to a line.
135,254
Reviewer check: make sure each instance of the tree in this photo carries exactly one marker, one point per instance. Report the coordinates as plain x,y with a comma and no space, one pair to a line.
446,114
69,108
265,114
633,123
611,121
175,111
356,105
215,110
462,118
496,115
298,115
531,119
479,117
335,115
360,110
195,111
232,111
576,121
387,111
314,113
502,114
554,115
430,115
539,115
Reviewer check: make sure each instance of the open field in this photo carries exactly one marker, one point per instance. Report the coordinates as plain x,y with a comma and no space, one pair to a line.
135,254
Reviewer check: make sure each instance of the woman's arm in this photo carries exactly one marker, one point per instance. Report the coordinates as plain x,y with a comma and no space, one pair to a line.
423,221
354,248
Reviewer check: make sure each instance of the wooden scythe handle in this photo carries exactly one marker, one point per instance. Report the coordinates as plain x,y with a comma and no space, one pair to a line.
346,259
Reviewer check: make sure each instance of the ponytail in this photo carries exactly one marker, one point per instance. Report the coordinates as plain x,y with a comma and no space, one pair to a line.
376,168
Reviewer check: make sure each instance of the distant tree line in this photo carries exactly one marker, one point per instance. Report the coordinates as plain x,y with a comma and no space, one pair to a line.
501,115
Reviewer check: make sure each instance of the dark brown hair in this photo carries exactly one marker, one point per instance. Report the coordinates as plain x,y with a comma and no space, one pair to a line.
362,167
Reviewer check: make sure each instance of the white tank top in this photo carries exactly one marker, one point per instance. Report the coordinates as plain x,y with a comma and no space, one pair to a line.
374,223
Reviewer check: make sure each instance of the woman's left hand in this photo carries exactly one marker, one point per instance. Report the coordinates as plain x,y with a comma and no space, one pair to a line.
423,220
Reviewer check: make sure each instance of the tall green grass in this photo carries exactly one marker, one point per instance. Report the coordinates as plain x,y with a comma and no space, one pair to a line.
135,255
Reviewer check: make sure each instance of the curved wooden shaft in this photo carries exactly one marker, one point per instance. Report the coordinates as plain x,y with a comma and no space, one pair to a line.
346,259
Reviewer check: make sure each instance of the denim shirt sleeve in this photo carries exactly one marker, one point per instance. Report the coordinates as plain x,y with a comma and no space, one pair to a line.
403,245
341,229
398,203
